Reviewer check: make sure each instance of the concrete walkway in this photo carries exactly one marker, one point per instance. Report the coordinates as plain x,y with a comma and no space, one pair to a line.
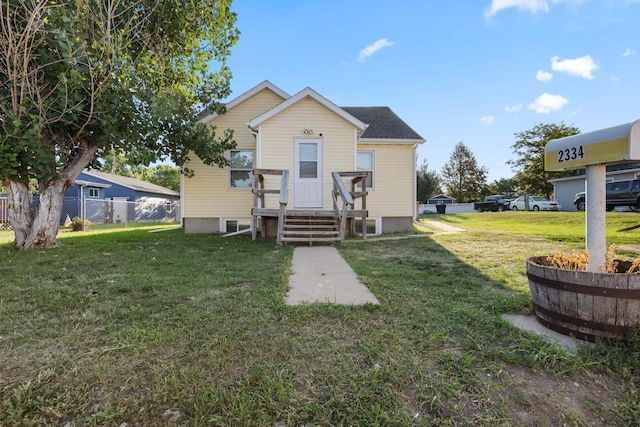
531,324
320,274
445,227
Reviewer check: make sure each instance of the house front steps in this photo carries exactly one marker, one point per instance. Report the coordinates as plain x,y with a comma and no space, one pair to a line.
310,227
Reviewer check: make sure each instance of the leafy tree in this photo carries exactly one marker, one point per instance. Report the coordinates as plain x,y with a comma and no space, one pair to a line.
461,175
506,186
162,175
166,176
427,181
79,78
119,164
529,164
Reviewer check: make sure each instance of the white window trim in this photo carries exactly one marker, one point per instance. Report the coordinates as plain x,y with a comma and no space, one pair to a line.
373,170
250,187
91,190
378,224
223,222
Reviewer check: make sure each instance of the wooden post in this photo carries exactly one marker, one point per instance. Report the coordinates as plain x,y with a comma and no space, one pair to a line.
364,208
284,199
254,220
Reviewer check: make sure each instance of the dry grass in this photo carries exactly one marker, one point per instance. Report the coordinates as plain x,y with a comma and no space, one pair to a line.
569,261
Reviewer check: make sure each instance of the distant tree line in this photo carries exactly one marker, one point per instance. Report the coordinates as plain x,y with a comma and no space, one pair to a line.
465,180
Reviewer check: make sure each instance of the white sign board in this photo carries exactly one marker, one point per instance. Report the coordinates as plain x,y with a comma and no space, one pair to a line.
611,145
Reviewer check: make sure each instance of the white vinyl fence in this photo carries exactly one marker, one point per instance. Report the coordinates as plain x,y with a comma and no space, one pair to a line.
452,208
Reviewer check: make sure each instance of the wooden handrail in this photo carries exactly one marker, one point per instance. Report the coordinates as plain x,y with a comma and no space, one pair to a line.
268,171
284,187
339,189
259,201
284,198
356,177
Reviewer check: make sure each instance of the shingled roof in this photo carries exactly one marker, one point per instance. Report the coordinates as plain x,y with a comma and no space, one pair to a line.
132,183
383,124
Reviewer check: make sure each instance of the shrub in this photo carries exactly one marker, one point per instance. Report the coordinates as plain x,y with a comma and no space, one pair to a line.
76,224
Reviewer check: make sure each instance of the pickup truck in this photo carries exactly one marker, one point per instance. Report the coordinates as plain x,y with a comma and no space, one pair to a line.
493,204
619,193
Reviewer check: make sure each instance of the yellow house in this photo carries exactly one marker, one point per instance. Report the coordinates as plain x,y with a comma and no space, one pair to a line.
288,148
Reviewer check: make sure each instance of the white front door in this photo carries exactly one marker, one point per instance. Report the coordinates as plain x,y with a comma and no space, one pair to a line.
308,173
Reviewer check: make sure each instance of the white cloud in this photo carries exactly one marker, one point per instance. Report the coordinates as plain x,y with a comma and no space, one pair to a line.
543,76
532,6
373,48
581,67
629,52
547,103
487,120
513,108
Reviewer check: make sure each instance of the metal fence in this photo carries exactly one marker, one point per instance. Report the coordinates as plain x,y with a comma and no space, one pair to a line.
108,211
4,215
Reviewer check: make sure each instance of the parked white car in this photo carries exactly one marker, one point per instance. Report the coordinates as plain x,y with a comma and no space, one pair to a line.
536,203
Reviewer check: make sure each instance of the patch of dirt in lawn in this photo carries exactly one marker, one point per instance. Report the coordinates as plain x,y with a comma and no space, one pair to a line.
538,398
634,248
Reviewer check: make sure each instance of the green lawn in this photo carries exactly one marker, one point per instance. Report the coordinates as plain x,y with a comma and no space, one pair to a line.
167,329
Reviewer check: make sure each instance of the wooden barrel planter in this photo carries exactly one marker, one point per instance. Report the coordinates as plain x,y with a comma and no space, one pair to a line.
588,306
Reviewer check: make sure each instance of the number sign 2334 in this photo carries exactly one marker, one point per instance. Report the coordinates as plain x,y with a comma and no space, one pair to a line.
571,153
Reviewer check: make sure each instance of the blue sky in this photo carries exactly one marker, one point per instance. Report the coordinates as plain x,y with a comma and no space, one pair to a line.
472,71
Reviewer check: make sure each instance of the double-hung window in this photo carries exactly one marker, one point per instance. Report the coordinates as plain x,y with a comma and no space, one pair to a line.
94,193
240,168
366,162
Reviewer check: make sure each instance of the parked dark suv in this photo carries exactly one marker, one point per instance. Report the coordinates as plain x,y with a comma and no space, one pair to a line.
619,193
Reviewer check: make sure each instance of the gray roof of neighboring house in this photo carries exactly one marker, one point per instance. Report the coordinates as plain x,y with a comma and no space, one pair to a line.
383,123
132,183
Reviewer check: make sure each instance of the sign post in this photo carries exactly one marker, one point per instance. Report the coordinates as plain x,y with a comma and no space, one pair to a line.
595,211
594,151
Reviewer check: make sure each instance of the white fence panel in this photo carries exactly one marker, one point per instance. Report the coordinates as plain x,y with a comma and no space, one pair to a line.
450,209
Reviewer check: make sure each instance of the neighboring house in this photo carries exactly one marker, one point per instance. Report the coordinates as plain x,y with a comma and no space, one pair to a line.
152,202
95,211
441,199
565,189
311,137
111,198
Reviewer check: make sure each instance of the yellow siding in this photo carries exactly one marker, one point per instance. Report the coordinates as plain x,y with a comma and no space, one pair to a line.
278,133
207,194
394,180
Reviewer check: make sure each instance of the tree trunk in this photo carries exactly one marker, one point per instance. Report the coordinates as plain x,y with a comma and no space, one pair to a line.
39,230
19,208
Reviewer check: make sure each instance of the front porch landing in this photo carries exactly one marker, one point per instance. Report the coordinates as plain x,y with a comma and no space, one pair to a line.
308,225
